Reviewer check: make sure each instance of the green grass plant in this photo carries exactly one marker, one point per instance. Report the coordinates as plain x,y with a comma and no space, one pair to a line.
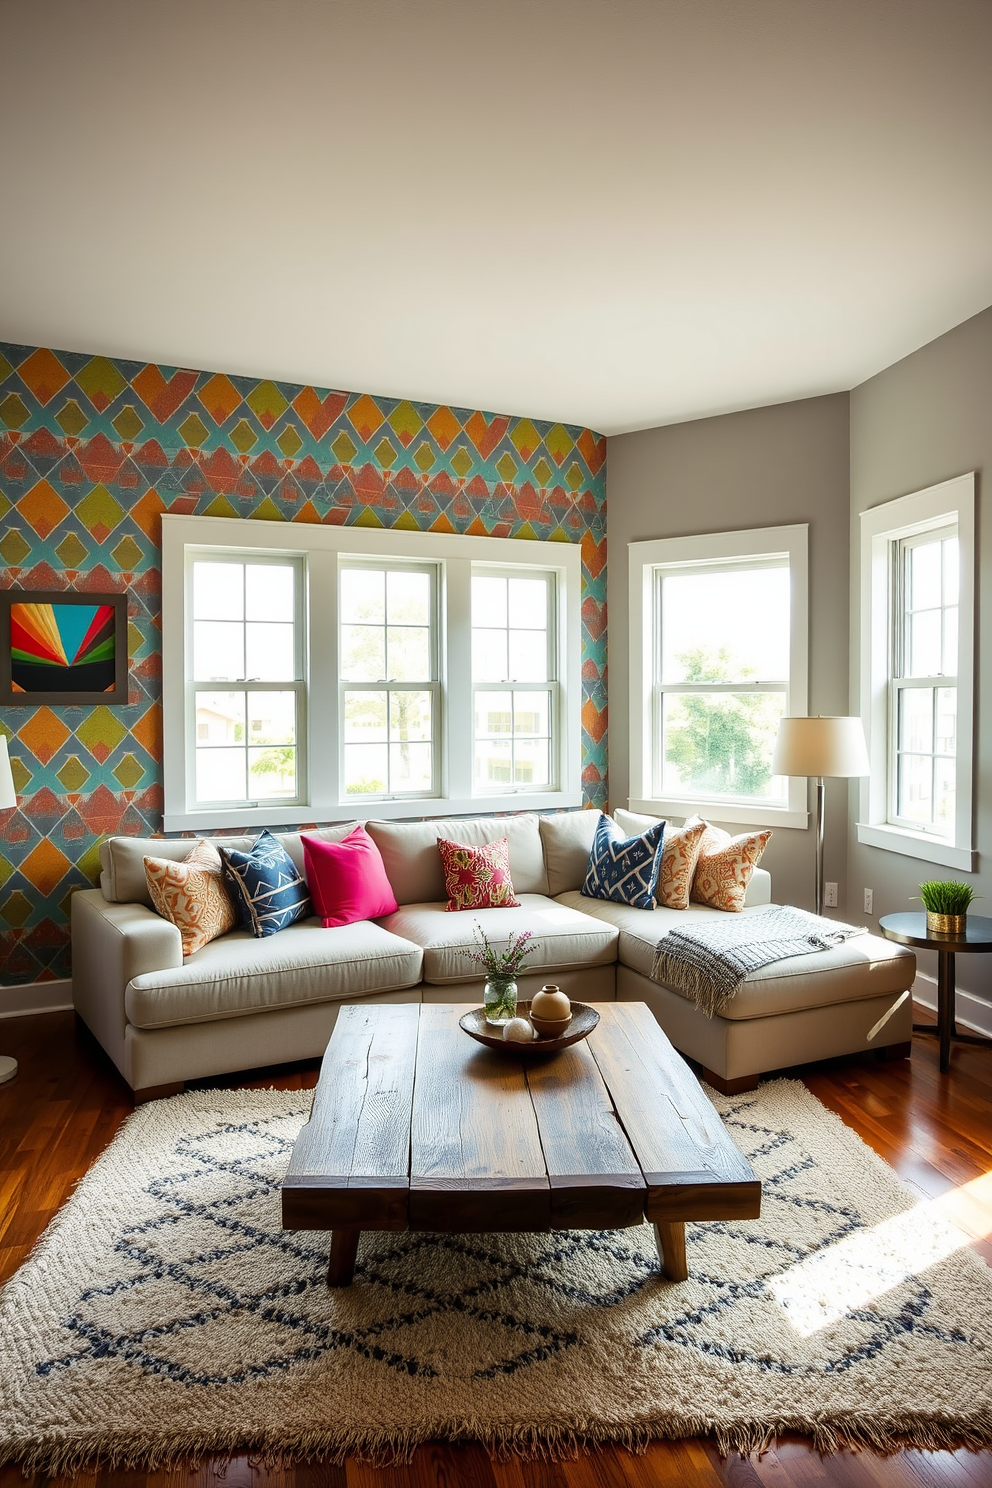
946,897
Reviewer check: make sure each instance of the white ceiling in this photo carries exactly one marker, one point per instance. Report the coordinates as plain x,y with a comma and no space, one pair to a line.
617,213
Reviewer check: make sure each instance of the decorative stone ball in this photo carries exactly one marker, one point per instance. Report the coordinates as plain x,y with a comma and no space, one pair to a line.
551,1004
518,1031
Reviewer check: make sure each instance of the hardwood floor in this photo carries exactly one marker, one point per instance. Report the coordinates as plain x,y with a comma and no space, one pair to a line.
935,1130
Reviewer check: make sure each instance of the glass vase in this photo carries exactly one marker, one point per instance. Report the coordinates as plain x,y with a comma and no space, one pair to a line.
500,999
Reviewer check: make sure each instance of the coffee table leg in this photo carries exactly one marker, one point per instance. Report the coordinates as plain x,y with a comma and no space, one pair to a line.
671,1248
344,1249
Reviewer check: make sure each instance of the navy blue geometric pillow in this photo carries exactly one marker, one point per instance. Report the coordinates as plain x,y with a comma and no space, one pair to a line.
266,888
624,869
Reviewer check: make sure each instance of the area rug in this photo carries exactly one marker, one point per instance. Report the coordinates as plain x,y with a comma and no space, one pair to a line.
167,1315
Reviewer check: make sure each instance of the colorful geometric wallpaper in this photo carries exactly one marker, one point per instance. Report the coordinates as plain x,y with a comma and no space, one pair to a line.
93,450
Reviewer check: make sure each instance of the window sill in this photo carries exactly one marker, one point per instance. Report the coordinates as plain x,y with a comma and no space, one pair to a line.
913,845
238,818
721,811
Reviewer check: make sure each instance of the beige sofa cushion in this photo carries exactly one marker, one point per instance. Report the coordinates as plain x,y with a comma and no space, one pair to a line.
122,875
567,837
413,863
566,937
305,963
866,966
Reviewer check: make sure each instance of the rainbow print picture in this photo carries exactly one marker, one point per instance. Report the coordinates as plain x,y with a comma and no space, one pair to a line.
63,648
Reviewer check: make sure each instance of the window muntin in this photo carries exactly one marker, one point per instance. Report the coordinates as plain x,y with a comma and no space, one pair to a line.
389,678
922,763
246,686
722,665
514,680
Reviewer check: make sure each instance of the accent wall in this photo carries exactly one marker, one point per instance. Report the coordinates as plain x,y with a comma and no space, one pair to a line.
94,450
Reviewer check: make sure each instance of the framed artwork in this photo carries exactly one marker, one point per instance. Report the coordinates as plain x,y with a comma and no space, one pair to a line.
62,647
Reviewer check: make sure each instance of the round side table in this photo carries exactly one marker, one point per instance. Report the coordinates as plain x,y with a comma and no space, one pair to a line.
911,929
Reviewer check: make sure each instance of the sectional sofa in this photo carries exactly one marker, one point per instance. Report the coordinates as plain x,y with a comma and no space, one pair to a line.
240,1003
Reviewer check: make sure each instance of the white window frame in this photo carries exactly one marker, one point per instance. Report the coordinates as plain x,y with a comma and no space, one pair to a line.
551,686
647,560
952,502
319,547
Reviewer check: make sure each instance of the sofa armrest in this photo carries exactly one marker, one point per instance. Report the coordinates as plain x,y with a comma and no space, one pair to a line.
759,890
111,944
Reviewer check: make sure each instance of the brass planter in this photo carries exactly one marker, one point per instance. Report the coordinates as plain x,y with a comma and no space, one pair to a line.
946,924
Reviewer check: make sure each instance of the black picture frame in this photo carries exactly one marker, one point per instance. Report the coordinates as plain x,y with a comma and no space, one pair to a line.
31,697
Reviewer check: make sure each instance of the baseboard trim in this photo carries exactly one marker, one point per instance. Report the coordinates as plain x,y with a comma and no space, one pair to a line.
36,997
972,1012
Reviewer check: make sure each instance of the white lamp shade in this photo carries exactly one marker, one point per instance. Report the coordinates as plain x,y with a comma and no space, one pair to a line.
820,746
8,796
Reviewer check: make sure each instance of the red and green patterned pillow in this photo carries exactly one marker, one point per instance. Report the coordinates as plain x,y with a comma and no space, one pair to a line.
477,877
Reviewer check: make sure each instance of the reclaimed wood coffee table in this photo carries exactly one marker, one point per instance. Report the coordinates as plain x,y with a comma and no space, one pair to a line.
417,1127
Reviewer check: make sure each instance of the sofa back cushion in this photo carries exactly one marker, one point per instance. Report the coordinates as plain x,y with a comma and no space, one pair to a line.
567,837
122,859
413,862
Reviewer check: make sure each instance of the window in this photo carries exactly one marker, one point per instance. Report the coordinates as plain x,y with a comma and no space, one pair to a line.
317,673
718,656
514,680
917,670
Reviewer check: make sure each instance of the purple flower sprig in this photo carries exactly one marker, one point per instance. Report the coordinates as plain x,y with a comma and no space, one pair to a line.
502,963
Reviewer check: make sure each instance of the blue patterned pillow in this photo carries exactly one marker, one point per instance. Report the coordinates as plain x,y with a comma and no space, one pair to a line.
624,869
266,888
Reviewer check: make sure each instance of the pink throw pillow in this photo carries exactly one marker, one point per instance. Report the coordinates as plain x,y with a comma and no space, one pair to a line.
477,877
347,879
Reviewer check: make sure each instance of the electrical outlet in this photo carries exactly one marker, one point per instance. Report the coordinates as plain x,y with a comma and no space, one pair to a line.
869,901
830,896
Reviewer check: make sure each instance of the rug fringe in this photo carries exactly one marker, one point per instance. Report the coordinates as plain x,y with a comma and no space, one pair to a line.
550,1443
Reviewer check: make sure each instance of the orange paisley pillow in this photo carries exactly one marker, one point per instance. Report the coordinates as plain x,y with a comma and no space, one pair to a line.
191,894
725,865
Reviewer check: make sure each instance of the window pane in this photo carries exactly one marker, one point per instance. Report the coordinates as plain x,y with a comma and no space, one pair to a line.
528,602
363,653
363,595
493,712
220,718
493,763
530,762
218,591
410,715
532,713
269,652
950,659
411,767
528,658
924,644
218,650
721,744
365,769
952,564
489,655
944,803
488,601
271,718
924,575
408,596
915,786
408,654
269,591
947,720
916,719
365,716
272,772
725,626
220,775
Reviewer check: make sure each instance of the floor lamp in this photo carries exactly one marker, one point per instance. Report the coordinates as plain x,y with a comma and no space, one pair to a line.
8,802
820,747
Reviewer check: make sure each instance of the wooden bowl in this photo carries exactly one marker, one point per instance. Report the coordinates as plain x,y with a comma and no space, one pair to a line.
551,1027
581,1024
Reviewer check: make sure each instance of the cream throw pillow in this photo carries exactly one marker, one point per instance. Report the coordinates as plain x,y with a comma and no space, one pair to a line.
725,865
191,894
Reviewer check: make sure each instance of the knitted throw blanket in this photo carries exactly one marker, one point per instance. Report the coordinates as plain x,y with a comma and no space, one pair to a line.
709,960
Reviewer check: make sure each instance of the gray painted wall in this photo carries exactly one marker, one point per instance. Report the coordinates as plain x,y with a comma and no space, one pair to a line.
926,419
762,468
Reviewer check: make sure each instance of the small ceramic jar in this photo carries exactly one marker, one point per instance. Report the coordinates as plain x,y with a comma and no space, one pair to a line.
550,1011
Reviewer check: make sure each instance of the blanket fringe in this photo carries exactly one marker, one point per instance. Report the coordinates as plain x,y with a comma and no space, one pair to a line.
66,1457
